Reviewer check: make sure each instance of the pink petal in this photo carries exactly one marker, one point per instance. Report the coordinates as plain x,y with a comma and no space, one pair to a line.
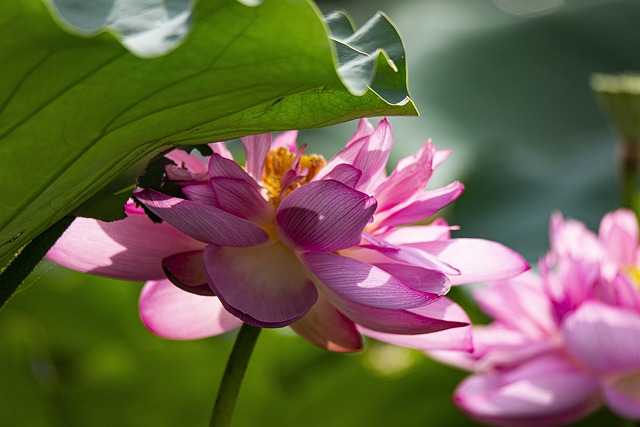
241,199
190,162
256,148
568,282
362,283
519,303
175,173
622,395
346,156
424,205
463,360
407,327
220,167
201,193
626,292
365,128
265,286
324,216
221,149
603,337
382,251
419,278
289,179
440,157
329,329
452,335
572,238
419,233
172,313
477,260
346,174
287,140
546,391
130,249
373,155
203,222
368,154
422,153
186,271
409,178
619,235
499,346
455,340
187,167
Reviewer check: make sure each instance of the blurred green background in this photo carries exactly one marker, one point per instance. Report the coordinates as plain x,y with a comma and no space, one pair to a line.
505,84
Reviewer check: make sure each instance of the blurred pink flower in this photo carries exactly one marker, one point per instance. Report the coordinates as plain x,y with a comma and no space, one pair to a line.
564,341
291,239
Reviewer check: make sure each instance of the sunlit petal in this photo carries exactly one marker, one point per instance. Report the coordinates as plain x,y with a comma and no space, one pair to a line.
265,286
173,313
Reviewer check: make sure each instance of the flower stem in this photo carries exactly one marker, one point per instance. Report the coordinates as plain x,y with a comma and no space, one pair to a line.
630,163
233,374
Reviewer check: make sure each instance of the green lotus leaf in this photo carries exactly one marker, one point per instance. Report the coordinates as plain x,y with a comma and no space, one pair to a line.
78,112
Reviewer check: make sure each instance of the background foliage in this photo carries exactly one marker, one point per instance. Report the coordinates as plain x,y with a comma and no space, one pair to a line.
508,92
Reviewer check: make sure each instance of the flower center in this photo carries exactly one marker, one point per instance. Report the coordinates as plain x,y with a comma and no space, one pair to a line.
634,275
285,171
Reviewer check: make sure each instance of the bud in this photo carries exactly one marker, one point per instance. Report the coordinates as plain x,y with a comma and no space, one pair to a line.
620,97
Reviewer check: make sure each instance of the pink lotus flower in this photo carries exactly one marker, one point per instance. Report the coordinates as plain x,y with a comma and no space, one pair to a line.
293,240
564,341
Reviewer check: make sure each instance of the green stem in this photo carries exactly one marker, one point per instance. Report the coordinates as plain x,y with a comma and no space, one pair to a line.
630,161
26,261
233,374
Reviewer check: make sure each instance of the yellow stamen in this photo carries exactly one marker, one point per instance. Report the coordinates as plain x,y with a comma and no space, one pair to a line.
278,162
634,274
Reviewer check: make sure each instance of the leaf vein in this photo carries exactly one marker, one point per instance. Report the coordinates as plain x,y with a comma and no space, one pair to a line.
58,94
